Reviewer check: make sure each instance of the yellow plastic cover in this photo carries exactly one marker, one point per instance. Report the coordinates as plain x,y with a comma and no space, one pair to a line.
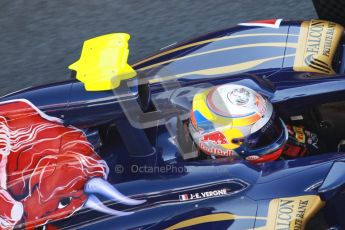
103,62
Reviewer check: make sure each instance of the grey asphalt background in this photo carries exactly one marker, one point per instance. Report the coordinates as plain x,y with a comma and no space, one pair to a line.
40,38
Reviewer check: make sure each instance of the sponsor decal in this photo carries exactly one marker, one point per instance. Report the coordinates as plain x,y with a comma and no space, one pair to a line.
210,143
270,23
252,158
292,212
317,44
204,146
296,118
267,126
215,137
299,134
203,195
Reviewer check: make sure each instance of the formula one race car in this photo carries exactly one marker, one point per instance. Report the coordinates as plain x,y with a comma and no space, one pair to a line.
241,128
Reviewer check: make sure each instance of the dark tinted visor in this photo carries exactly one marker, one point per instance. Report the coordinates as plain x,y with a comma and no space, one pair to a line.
266,136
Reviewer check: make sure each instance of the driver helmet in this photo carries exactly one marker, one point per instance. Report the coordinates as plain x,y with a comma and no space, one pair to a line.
231,119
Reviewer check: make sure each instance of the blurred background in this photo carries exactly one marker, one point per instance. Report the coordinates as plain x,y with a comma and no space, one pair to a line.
40,38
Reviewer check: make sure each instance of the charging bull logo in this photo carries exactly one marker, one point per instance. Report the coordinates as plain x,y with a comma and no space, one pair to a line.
215,137
211,144
48,171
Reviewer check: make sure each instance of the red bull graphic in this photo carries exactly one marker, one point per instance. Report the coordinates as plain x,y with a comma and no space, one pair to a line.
216,137
48,170
210,142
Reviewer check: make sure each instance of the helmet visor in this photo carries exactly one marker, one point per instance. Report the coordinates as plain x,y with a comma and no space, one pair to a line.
268,138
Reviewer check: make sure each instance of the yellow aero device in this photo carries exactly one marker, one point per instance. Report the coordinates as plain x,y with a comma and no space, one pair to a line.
103,62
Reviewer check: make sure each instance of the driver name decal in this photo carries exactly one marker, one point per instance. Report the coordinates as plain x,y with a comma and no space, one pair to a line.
317,44
202,195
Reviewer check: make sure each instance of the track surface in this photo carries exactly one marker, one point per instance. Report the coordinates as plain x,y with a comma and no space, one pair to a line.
40,38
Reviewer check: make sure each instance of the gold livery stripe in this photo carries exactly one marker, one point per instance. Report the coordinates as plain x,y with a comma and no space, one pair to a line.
208,41
210,218
281,44
221,70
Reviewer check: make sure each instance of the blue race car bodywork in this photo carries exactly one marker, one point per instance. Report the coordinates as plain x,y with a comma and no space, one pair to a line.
135,130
